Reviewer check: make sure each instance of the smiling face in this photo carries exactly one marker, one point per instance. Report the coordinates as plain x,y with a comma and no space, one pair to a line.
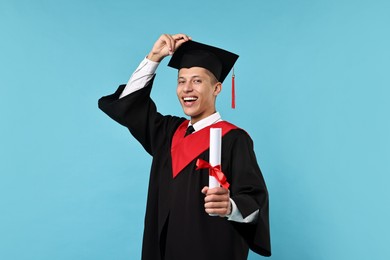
197,89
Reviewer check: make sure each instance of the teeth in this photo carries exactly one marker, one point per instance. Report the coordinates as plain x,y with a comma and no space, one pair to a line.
190,98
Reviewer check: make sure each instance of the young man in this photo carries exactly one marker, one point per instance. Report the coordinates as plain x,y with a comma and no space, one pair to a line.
177,222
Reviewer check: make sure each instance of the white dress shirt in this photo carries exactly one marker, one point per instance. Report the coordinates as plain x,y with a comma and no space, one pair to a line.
141,76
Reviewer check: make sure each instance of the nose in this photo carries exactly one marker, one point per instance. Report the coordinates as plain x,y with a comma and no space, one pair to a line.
187,87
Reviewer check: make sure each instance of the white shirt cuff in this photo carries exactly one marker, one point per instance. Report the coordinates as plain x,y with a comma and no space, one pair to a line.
236,215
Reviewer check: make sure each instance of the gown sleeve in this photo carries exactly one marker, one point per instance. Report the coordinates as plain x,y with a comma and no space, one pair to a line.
138,113
249,192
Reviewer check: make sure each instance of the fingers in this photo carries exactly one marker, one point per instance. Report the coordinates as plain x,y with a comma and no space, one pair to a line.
169,41
180,39
217,191
217,201
179,43
167,45
216,195
181,36
175,41
222,208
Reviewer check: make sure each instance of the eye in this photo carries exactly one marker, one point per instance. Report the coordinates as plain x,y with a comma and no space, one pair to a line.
197,81
180,82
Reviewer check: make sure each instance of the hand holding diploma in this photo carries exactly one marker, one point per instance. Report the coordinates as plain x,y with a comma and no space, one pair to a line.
217,201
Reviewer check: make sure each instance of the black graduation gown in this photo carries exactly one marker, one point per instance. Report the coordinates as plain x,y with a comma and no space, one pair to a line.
176,224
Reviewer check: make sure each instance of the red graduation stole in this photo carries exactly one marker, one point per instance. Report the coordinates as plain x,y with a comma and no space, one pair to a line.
185,149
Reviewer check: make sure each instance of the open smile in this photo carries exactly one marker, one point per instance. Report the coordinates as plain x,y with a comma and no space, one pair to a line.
188,101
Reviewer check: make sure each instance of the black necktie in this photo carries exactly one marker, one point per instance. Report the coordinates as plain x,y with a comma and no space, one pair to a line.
190,130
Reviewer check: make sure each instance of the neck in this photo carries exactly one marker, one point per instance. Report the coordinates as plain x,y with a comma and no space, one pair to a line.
195,119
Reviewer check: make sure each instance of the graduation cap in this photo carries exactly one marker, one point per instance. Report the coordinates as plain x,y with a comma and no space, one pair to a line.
195,54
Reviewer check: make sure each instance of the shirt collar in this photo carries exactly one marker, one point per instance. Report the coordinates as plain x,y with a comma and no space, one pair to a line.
211,119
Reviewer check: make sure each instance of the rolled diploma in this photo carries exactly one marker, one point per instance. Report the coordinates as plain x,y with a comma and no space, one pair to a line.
215,153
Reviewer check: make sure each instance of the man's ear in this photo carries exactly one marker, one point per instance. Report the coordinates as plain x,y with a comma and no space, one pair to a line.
217,88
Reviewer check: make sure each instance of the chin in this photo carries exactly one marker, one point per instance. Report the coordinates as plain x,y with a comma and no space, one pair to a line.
190,113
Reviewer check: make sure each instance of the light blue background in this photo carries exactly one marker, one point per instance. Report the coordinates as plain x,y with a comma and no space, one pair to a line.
312,90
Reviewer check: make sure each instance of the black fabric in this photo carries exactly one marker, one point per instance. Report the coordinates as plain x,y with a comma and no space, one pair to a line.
195,54
190,130
176,224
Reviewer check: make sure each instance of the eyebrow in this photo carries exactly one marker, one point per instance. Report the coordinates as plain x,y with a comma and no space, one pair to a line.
191,77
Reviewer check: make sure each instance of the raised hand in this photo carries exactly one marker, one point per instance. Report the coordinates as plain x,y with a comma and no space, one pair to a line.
166,45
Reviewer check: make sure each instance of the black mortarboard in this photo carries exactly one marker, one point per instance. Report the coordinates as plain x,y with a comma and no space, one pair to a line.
195,54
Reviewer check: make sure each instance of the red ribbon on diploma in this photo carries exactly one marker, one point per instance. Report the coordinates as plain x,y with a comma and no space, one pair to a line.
214,171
